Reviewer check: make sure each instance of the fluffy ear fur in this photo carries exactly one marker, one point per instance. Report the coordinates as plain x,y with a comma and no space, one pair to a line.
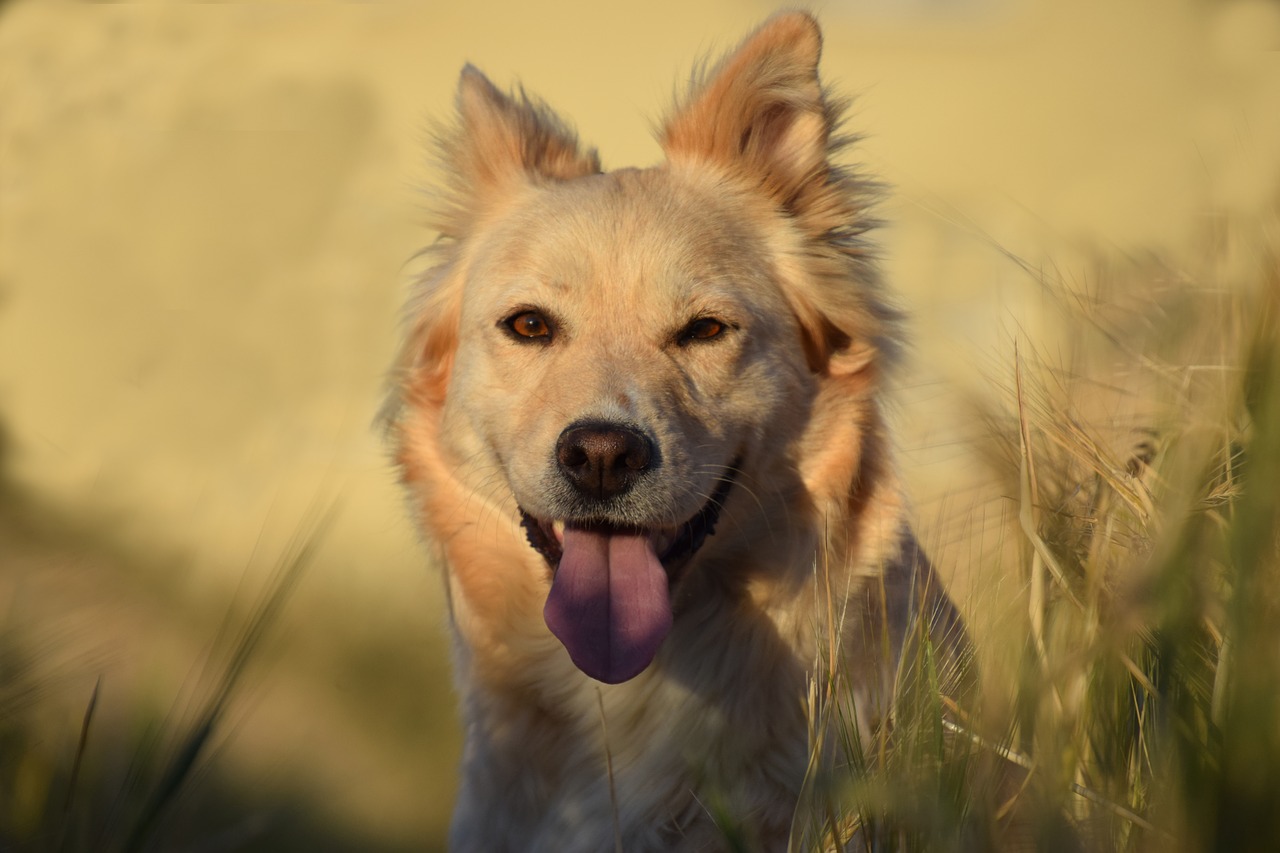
760,111
760,115
499,141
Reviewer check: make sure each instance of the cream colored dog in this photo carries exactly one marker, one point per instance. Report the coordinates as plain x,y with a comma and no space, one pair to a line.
638,412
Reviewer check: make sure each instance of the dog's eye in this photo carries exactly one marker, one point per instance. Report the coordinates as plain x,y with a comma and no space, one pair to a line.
531,325
702,329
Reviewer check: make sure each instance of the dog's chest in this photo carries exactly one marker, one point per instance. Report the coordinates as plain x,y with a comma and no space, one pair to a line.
708,733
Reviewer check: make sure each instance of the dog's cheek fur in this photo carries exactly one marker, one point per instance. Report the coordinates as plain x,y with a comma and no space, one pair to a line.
493,565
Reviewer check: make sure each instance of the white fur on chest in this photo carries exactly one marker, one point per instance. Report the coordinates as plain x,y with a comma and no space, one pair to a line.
716,726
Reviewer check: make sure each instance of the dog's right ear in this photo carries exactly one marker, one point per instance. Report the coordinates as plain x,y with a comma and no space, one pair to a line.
499,143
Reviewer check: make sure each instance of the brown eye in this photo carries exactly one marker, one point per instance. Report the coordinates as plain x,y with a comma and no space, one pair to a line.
530,325
702,329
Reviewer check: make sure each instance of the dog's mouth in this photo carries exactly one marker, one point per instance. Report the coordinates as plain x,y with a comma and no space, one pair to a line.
610,599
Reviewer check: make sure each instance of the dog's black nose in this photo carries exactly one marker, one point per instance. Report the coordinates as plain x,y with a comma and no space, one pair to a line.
602,460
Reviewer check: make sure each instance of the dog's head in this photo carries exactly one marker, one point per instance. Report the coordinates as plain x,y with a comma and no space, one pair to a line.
619,351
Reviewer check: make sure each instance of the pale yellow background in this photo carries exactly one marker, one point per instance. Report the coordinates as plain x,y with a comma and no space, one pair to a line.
207,219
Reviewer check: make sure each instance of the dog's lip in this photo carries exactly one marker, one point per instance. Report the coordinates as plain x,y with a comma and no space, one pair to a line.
674,545
661,539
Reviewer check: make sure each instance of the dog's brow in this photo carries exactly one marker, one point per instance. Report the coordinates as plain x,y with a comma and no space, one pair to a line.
530,290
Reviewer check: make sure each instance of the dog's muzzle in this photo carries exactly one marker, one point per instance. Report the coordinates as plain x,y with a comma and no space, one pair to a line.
610,599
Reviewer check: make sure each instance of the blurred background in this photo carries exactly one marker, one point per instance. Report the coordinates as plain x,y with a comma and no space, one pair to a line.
207,220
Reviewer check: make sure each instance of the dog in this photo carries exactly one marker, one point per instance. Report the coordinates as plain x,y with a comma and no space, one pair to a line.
640,414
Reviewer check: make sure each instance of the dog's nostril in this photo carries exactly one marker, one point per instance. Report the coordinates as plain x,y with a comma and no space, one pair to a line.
603,459
572,456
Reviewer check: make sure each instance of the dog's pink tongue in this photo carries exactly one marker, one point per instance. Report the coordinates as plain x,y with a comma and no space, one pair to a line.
609,603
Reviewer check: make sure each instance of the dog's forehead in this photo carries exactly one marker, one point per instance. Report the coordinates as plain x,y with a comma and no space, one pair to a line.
627,229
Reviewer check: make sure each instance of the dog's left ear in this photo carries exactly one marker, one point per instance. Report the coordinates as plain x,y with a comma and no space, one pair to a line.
760,112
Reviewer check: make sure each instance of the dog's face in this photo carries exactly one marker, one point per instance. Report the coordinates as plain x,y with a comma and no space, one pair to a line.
623,346
614,354
623,351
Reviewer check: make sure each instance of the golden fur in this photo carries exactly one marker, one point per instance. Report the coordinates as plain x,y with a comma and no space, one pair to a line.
724,307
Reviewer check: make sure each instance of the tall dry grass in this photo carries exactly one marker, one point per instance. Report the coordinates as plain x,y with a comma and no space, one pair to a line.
1134,704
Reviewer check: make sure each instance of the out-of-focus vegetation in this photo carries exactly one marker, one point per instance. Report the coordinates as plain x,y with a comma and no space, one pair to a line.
100,751
1132,700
